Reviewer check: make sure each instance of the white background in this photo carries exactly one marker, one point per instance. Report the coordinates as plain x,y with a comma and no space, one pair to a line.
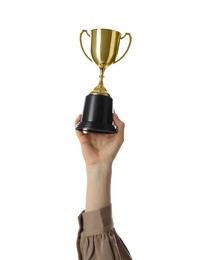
159,90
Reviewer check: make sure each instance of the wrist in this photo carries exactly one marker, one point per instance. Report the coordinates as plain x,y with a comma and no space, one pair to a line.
101,168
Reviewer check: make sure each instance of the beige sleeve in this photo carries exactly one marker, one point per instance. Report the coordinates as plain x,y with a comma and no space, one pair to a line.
97,238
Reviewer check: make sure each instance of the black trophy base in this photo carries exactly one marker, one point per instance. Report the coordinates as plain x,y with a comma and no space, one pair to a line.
97,115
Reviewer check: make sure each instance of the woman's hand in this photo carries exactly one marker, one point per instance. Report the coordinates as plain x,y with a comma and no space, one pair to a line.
98,148
99,151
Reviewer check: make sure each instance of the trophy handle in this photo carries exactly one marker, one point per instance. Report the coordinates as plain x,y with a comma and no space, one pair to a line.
80,38
130,39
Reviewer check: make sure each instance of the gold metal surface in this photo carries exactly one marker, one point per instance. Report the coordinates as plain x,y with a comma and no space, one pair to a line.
104,50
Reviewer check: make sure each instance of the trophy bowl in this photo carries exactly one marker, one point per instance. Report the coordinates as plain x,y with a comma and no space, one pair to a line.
97,113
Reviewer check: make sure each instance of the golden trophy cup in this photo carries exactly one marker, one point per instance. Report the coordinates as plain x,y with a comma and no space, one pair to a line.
97,113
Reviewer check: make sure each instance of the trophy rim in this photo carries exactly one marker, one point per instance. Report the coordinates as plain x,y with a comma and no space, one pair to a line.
105,29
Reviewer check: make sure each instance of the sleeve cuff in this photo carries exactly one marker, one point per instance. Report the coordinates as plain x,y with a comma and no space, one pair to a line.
96,222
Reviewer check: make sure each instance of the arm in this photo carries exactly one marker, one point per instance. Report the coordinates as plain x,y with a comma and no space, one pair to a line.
96,225
99,151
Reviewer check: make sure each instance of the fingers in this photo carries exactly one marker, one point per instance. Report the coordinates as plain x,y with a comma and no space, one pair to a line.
119,126
117,122
77,120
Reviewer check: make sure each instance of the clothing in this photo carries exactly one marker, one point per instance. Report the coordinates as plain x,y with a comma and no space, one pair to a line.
97,238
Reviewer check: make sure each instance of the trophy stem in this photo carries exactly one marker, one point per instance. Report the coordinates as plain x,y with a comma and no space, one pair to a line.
102,70
100,89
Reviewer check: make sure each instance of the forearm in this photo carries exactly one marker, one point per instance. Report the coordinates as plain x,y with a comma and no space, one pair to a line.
98,237
98,193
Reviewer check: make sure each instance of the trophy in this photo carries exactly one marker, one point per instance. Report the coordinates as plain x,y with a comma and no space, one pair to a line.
97,113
